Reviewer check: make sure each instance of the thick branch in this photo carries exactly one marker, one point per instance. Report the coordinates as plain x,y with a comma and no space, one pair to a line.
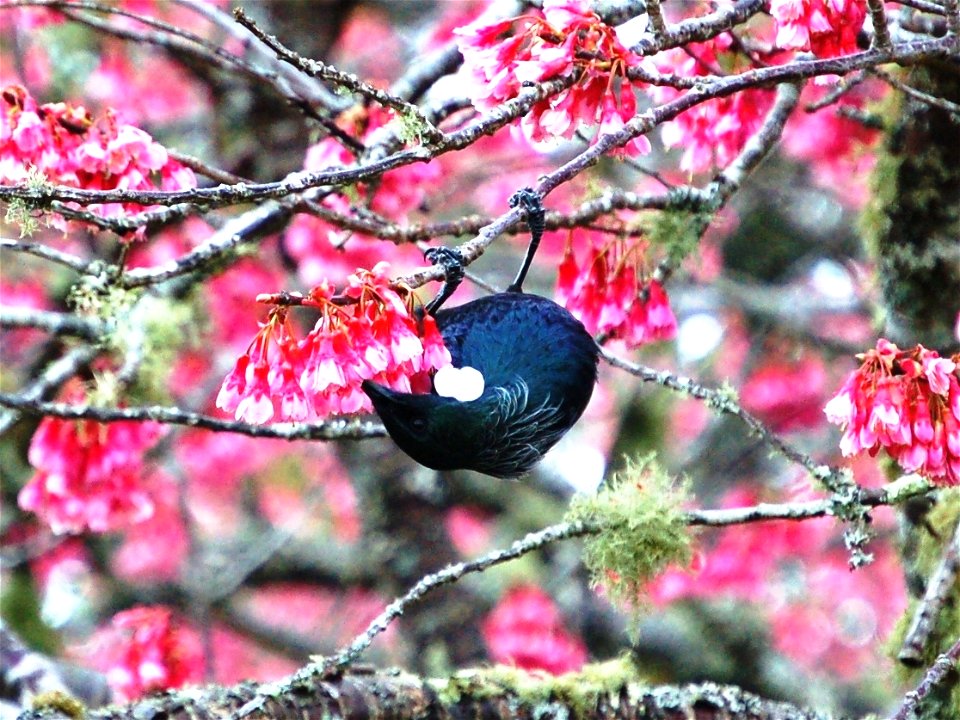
601,692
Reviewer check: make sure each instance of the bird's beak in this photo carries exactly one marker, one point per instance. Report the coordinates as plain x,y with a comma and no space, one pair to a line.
375,391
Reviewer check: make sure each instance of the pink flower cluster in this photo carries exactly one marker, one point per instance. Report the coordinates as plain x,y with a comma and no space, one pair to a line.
712,132
145,649
89,475
525,629
69,147
567,37
609,295
907,402
368,333
828,28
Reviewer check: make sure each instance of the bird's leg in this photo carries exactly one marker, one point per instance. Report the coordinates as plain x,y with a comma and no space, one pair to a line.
529,199
451,261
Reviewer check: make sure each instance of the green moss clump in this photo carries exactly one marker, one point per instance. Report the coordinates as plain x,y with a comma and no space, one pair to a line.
573,695
640,512
677,232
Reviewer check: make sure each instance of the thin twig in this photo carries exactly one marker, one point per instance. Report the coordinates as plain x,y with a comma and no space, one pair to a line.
878,16
53,377
315,68
942,103
55,323
952,10
723,402
73,262
223,195
655,14
925,6
353,429
944,664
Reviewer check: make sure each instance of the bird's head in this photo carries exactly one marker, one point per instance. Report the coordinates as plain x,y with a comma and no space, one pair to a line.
442,433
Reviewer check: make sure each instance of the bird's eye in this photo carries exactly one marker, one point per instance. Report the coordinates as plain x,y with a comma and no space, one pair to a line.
419,424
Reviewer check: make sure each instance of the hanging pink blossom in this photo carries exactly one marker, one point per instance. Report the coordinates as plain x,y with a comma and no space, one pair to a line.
907,402
89,476
500,58
525,629
145,649
607,292
67,146
368,333
828,28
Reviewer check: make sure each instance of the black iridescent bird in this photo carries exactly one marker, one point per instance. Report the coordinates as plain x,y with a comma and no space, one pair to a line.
538,363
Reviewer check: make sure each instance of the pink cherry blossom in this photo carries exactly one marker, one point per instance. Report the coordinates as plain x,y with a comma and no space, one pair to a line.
906,402
89,475
712,132
828,28
146,649
566,37
68,146
606,291
525,629
368,333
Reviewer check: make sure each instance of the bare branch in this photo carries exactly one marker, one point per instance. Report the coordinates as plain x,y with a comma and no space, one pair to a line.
565,531
52,322
342,429
48,253
52,378
223,195
878,16
315,68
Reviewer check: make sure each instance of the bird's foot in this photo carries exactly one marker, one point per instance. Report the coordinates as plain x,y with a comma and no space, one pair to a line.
451,260
529,200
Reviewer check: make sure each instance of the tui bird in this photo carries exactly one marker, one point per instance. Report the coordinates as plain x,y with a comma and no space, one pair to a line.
533,364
